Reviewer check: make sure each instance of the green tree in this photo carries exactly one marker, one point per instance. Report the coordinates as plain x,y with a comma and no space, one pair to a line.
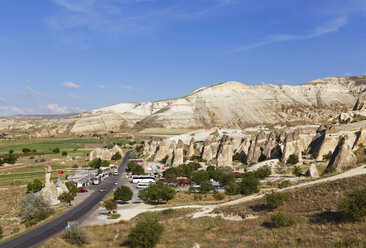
146,233
171,173
293,159
135,168
9,158
36,186
206,187
1,232
200,176
56,150
64,153
275,199
71,187
158,192
31,204
123,193
354,204
26,150
66,197
116,156
110,205
232,189
249,185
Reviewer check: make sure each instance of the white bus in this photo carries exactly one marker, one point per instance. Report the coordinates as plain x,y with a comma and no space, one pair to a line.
142,179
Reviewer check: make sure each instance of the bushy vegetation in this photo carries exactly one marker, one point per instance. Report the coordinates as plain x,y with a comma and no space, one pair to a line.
146,233
75,235
354,205
97,163
133,154
36,186
34,208
116,156
297,171
158,192
135,168
183,170
123,193
66,197
293,159
249,185
72,187
110,205
284,184
275,199
1,232
281,219
163,161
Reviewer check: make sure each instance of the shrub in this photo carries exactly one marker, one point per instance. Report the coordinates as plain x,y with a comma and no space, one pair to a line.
168,211
218,196
315,154
197,197
123,193
293,159
133,154
297,171
232,189
75,235
71,187
163,161
36,186
26,150
75,166
328,156
135,168
281,220
263,172
275,199
284,184
56,150
206,187
9,159
146,233
354,205
1,232
116,156
64,153
349,243
249,185
30,204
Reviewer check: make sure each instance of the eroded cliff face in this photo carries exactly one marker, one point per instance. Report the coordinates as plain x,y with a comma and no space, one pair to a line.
231,104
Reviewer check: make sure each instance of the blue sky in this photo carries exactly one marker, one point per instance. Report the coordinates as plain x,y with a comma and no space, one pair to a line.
61,56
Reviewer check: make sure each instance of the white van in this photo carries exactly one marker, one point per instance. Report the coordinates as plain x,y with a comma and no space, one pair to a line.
115,173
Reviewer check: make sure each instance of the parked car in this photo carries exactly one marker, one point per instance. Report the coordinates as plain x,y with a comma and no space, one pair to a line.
143,185
102,189
219,186
115,183
82,190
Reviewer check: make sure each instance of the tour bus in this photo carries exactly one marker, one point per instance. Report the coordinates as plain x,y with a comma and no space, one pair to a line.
142,179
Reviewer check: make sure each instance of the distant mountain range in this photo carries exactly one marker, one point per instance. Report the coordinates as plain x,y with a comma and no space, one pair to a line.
230,104
20,117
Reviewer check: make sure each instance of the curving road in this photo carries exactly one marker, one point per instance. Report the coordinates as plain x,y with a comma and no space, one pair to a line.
77,213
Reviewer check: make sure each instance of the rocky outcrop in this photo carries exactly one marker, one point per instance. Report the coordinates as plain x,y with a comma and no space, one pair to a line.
360,104
330,139
292,146
207,151
104,153
225,154
345,117
190,151
171,153
161,152
343,157
255,152
312,171
50,192
178,157
214,146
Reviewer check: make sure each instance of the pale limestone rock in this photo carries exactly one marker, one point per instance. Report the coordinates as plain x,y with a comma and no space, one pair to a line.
291,146
345,117
256,148
171,153
190,152
312,171
178,158
102,153
146,147
360,104
116,149
214,147
343,157
225,154
50,192
330,142
161,152
361,139
207,151
195,245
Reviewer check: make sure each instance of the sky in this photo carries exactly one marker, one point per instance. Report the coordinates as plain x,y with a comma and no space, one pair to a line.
67,56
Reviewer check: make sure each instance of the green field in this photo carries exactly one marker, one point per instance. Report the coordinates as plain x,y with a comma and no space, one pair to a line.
46,145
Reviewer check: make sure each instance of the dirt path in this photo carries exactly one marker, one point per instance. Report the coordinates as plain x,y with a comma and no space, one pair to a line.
129,211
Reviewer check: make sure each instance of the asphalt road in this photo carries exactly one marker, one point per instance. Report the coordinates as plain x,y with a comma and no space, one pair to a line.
78,213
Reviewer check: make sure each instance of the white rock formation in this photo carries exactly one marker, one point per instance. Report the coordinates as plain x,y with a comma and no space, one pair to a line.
312,171
343,157
178,154
50,192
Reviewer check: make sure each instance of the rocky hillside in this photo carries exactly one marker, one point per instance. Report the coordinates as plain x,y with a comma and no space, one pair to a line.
230,104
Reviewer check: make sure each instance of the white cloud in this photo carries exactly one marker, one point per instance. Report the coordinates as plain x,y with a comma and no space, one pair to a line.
331,26
2,99
36,94
76,97
71,85
53,108
126,87
10,110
